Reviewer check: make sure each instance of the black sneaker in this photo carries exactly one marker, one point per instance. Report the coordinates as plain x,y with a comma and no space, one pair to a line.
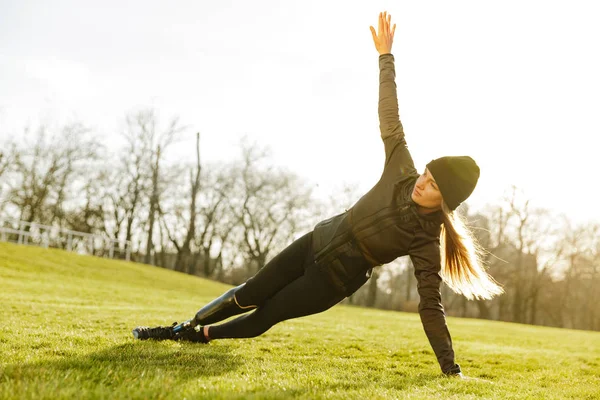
191,335
158,333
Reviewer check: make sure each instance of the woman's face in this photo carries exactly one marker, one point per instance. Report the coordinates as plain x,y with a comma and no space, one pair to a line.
426,192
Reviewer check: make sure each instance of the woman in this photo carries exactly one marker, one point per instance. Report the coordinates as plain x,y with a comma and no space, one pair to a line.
403,214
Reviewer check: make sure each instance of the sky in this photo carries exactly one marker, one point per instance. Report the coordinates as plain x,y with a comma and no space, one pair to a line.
514,84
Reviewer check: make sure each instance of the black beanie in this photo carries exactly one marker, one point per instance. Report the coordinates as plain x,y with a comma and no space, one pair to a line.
456,177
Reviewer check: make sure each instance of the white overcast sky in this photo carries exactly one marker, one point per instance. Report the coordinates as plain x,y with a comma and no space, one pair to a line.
514,84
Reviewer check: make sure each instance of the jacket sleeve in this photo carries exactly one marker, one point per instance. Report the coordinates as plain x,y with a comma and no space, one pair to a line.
426,261
397,157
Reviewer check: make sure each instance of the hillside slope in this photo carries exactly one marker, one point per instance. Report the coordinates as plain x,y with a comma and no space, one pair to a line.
66,323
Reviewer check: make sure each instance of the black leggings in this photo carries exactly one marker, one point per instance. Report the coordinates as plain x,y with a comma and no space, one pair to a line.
288,286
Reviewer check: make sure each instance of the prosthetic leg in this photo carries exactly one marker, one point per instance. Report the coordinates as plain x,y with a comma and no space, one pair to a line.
217,310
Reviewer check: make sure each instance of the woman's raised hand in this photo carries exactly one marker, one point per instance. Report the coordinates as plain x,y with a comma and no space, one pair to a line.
384,37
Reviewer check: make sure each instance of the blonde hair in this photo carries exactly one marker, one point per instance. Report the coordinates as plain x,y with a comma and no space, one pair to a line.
462,266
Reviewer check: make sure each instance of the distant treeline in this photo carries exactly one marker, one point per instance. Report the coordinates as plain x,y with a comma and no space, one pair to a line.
225,220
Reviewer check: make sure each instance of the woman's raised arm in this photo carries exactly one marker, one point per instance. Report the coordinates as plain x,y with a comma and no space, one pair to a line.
398,160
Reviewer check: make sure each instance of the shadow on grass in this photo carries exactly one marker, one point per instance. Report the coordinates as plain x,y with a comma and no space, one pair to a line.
173,370
141,363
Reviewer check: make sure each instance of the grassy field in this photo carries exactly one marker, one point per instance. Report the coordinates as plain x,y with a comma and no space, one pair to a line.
66,327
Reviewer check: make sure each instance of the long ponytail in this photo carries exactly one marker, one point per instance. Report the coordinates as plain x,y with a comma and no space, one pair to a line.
462,266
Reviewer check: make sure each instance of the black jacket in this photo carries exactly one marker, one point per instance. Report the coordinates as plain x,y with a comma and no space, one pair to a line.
384,225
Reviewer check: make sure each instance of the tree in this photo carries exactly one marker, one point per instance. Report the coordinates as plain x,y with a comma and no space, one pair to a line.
574,302
89,215
217,222
129,183
183,253
147,144
183,261
46,171
157,143
7,157
270,205
522,253
7,154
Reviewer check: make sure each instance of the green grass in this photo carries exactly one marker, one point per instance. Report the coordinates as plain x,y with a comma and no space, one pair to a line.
66,325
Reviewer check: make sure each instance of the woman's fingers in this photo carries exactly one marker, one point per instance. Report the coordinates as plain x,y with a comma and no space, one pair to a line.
384,35
386,23
375,40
